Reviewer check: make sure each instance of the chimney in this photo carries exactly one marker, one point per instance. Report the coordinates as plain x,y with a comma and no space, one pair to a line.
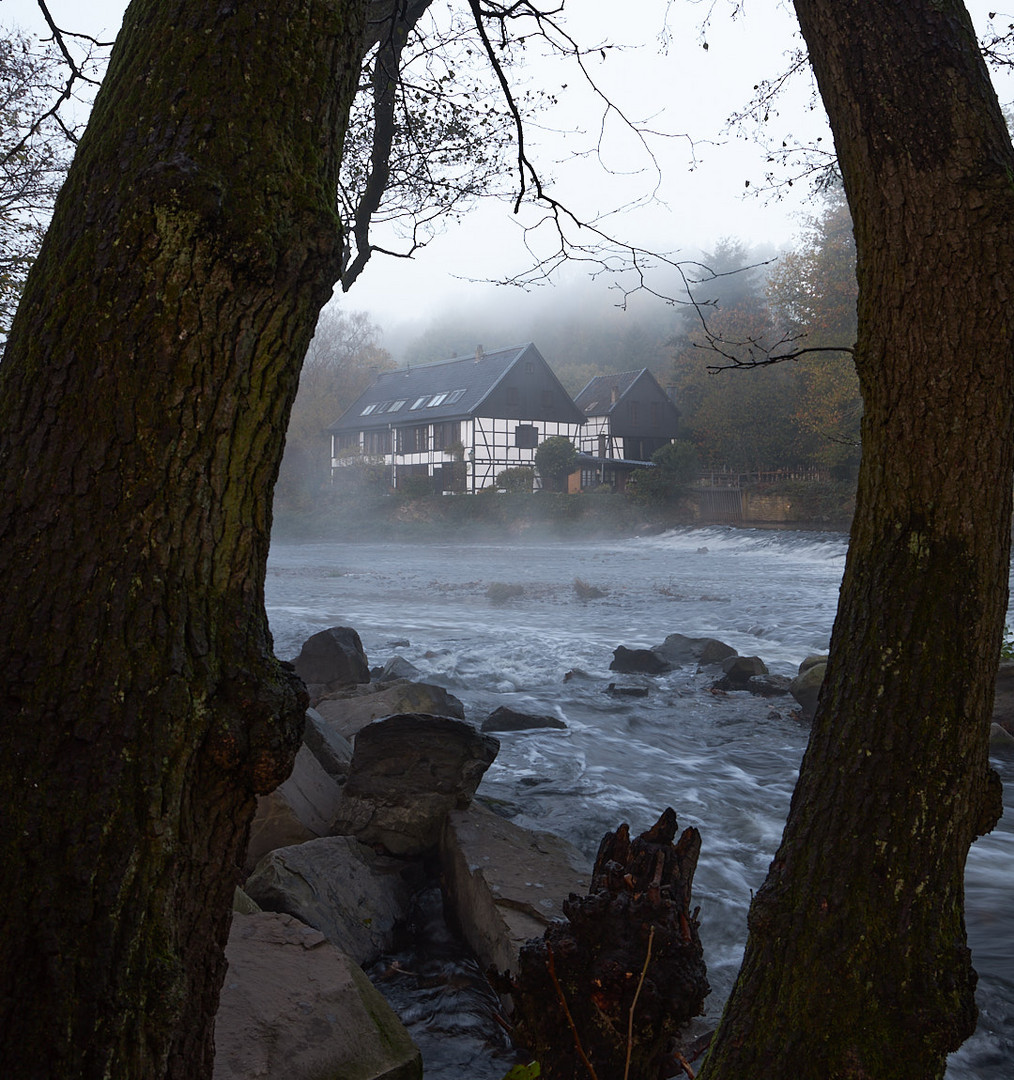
479,354
615,395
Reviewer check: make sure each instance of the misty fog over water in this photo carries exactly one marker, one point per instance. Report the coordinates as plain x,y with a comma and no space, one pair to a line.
726,763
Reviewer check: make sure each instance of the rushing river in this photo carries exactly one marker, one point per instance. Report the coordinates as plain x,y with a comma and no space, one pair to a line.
725,763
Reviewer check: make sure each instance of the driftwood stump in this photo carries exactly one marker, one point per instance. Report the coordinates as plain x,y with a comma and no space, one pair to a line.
605,991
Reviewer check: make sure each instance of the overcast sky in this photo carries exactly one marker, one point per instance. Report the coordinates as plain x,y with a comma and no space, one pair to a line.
669,81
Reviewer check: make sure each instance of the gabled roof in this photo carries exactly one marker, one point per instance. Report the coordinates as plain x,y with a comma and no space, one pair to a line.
447,390
604,391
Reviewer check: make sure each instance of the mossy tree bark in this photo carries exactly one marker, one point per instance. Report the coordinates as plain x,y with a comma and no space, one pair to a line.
143,402
857,964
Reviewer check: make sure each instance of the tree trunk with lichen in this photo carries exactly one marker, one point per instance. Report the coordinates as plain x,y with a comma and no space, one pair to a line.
144,396
604,993
857,964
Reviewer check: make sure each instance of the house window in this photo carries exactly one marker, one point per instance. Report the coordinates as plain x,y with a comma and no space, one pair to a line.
347,440
420,401
446,434
368,409
413,440
376,443
396,405
529,367
526,436
454,397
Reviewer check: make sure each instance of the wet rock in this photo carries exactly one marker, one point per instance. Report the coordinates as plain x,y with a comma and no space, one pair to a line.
242,904
1003,701
350,710
328,746
331,658
397,668
505,883
739,671
639,660
340,887
680,650
299,809
806,685
1001,741
626,691
408,772
506,719
769,685
293,1005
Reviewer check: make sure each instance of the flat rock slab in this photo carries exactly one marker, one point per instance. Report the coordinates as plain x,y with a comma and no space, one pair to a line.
506,883
294,1007
299,809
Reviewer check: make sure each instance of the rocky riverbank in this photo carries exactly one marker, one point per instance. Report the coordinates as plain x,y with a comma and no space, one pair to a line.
381,794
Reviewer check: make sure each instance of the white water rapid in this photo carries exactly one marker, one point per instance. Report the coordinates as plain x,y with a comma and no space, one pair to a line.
726,764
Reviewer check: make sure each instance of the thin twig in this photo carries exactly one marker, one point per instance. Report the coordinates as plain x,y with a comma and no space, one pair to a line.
551,968
684,1064
633,1004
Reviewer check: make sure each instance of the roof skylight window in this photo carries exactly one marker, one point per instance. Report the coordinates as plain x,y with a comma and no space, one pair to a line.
438,399
368,409
454,397
420,401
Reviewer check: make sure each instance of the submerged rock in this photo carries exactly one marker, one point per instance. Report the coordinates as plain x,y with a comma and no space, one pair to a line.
647,661
506,719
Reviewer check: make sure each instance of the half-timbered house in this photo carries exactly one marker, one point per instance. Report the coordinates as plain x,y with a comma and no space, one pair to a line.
457,423
628,417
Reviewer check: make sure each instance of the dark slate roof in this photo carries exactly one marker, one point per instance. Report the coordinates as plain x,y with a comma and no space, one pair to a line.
596,399
465,382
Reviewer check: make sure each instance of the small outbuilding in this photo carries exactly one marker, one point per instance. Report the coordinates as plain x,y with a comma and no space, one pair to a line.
628,417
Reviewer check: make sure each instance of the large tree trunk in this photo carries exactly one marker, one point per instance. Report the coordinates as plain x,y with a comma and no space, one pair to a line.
856,964
143,402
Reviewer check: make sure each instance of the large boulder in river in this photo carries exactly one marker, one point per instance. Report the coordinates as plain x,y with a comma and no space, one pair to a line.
340,887
333,657
299,809
294,1007
408,772
350,710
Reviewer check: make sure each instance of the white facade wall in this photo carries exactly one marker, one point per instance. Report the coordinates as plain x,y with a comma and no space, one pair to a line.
490,447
